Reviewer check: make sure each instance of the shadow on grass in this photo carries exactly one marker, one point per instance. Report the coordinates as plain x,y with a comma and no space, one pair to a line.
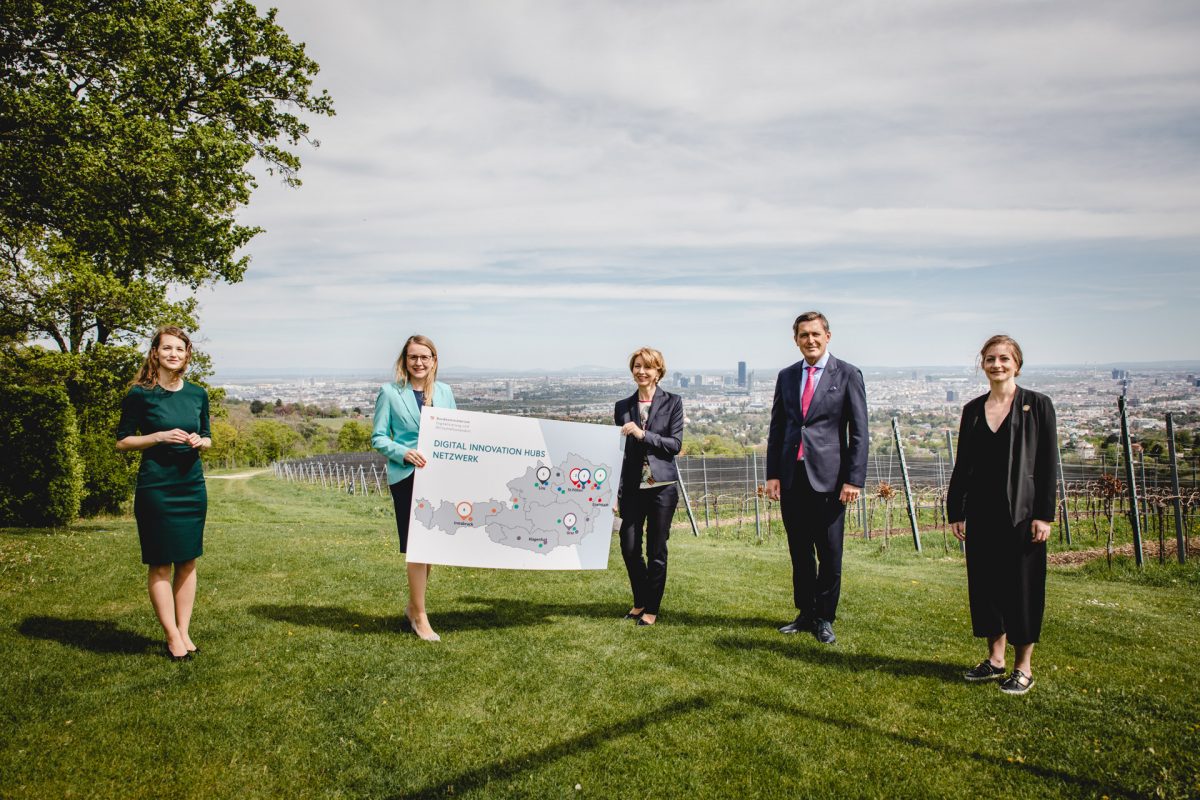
96,636
489,613
492,774
465,782
807,649
942,750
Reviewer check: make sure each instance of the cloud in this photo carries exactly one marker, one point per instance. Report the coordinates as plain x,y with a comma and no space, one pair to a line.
709,169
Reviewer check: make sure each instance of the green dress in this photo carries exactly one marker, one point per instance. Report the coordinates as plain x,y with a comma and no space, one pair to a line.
171,501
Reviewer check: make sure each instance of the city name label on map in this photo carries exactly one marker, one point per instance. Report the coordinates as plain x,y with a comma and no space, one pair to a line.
513,492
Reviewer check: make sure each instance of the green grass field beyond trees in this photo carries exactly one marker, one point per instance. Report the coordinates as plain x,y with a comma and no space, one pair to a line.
305,686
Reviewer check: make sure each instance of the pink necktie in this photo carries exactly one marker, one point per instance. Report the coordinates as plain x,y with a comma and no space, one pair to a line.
805,402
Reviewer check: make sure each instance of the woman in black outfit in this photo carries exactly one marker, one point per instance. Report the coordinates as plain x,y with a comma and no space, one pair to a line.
649,491
1001,502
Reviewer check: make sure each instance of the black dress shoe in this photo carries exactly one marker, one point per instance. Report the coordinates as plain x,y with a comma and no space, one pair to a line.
801,624
173,657
824,632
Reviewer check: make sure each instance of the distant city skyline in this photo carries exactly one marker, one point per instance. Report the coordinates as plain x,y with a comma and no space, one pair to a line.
234,374
536,183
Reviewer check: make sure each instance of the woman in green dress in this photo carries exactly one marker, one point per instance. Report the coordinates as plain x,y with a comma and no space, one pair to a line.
166,418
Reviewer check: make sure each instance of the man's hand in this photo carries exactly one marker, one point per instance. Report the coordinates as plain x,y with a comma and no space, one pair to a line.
849,494
959,529
772,488
1041,530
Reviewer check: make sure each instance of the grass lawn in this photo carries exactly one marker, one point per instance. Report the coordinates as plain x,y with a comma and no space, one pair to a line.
305,686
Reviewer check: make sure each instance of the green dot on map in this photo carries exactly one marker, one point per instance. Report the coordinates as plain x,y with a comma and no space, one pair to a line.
539,544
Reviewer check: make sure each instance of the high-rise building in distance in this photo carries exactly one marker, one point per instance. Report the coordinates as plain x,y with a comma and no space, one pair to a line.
742,374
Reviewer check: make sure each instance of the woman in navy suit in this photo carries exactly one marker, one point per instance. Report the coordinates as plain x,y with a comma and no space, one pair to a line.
1001,502
653,422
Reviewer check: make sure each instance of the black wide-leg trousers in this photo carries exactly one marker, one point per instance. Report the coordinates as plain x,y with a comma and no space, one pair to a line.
815,523
647,513
1006,579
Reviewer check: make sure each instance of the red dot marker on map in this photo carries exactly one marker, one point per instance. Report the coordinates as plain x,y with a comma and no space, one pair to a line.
464,509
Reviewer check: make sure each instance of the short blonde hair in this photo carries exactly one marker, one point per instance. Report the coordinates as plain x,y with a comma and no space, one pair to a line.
652,359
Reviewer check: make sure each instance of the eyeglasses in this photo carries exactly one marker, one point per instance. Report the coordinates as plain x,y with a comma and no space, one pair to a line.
421,359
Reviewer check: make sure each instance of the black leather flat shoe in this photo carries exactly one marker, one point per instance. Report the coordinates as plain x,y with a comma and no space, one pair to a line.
632,615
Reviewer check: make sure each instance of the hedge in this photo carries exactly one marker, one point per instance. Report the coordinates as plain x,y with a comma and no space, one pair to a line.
41,479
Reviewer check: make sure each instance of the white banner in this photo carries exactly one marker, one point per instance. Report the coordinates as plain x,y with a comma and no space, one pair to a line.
514,492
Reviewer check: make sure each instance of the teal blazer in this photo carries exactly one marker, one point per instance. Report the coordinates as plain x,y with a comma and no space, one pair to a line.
397,422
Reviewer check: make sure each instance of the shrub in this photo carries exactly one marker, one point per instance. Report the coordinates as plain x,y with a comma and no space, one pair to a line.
40,473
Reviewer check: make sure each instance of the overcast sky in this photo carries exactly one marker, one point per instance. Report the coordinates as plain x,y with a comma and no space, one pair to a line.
541,185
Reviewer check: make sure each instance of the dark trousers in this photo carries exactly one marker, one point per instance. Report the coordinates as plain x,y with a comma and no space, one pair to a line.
814,522
651,510
402,494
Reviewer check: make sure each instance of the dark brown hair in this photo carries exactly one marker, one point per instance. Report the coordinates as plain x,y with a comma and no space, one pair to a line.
809,316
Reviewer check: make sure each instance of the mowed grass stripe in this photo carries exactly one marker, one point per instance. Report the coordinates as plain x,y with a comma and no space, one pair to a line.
306,687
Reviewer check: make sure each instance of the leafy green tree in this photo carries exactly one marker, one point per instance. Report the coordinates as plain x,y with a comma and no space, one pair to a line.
354,437
127,128
712,445
227,442
127,133
268,440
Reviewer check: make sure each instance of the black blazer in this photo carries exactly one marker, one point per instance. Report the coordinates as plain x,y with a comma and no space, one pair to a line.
664,438
834,431
1032,457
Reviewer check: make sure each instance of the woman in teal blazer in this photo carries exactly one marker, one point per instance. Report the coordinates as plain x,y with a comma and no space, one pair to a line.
397,423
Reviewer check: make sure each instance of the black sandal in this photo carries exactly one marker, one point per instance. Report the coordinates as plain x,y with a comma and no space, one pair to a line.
984,671
1016,683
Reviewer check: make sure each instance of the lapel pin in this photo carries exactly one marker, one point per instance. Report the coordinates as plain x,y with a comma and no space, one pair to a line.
1024,408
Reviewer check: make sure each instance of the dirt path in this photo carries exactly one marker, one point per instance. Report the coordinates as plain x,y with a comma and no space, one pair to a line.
239,476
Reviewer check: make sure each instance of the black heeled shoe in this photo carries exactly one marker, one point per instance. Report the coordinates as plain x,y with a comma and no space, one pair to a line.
636,616
406,624
175,658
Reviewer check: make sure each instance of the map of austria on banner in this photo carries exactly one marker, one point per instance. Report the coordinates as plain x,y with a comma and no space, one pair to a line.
514,492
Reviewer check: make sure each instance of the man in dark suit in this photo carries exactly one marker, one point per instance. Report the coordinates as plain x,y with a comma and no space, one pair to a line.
816,464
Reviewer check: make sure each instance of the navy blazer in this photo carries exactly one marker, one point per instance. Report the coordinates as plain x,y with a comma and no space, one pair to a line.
664,438
834,431
1032,457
